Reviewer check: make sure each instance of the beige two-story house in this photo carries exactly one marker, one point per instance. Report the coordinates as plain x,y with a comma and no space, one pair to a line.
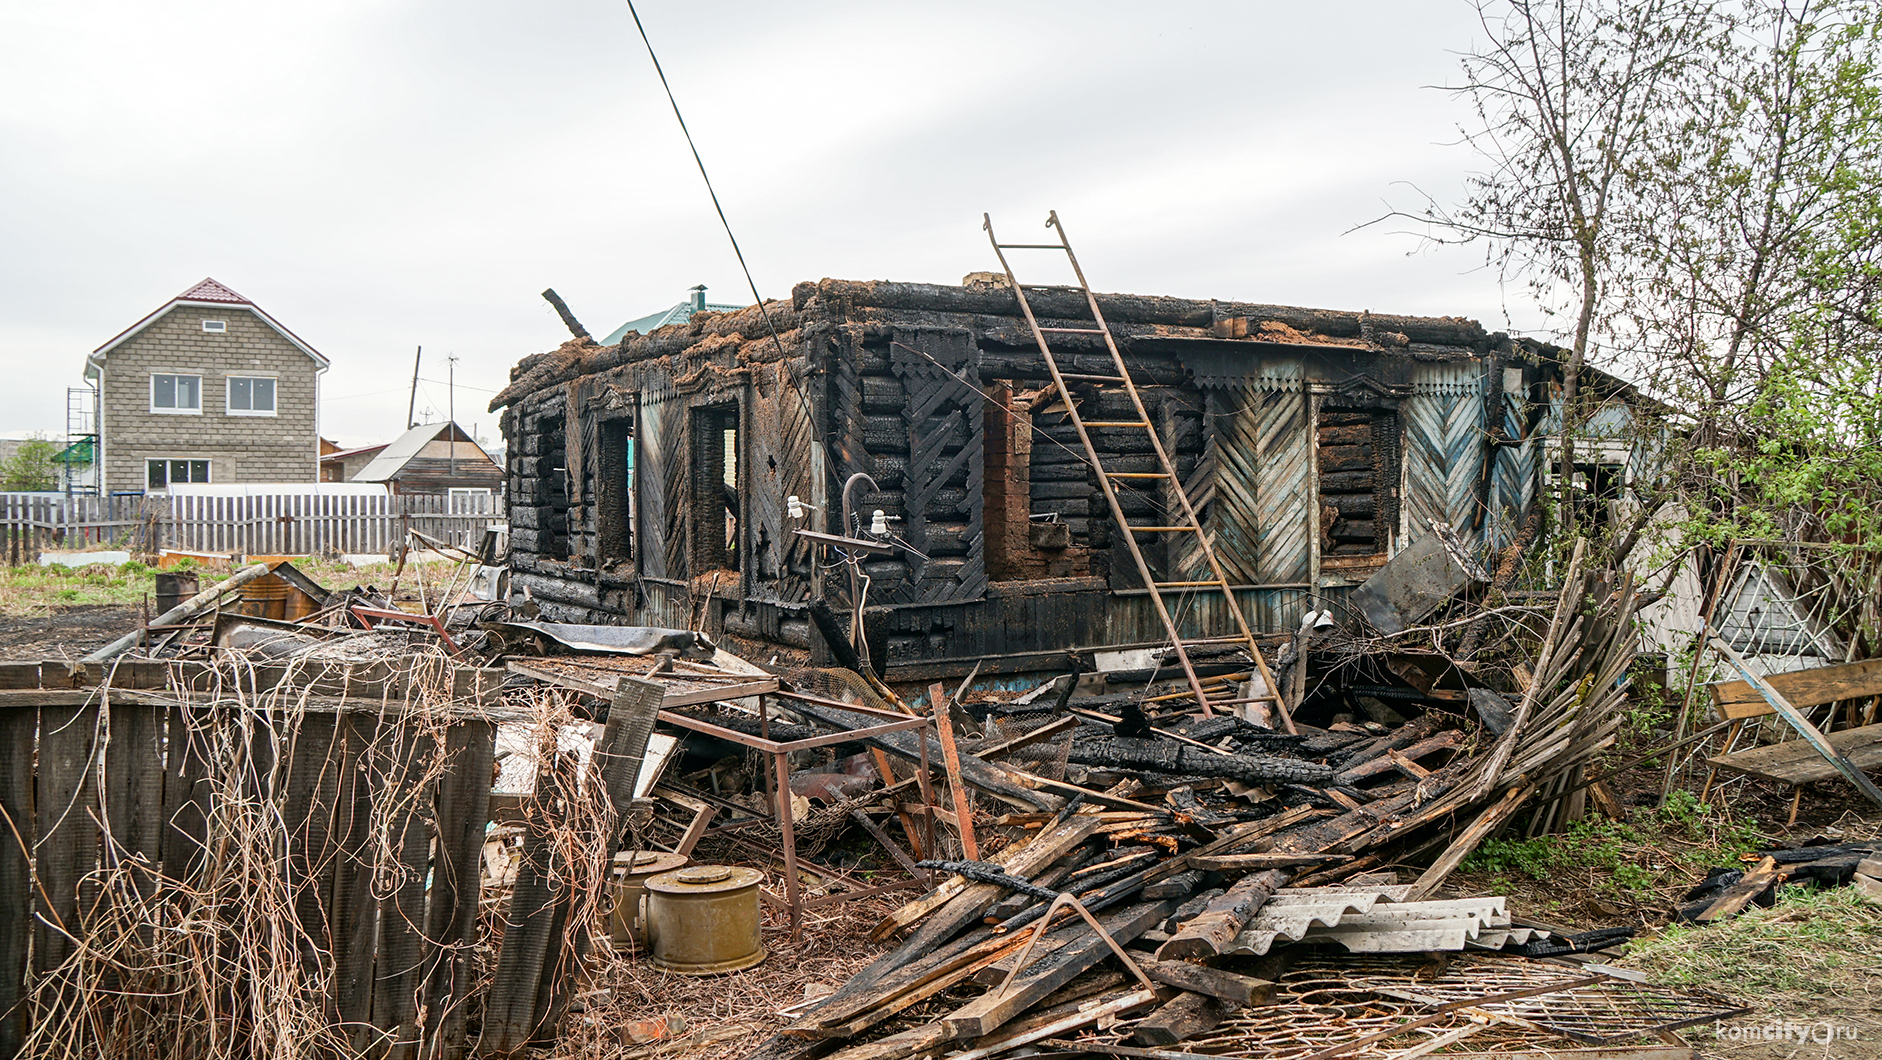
209,388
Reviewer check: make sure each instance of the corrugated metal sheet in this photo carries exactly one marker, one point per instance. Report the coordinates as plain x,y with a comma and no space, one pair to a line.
1444,448
1372,921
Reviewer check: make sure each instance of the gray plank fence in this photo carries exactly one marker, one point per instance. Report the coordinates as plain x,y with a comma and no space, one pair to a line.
119,809
286,524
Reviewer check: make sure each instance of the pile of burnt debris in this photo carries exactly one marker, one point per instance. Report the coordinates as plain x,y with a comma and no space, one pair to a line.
1100,872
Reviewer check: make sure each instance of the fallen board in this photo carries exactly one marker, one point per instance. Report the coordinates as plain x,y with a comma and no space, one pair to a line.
1802,688
1796,762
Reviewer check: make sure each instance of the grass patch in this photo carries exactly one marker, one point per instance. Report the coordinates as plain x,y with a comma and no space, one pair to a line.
1811,951
36,590
1654,856
33,590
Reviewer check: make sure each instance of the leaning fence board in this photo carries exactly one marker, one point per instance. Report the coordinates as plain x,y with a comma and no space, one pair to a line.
510,1013
185,820
1801,688
353,919
461,803
402,912
17,725
66,850
134,790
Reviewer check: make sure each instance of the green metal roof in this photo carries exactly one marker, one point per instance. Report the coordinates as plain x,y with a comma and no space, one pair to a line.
678,314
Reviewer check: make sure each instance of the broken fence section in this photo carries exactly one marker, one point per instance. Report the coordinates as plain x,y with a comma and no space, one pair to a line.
219,862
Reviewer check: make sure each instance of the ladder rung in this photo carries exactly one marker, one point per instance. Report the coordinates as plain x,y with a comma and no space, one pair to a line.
1030,246
1136,474
1094,378
1049,287
1164,530
1183,585
1075,331
1118,423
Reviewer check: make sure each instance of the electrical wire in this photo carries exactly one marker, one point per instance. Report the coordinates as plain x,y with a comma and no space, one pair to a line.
703,176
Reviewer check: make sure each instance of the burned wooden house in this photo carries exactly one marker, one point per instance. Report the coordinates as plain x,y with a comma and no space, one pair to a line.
651,481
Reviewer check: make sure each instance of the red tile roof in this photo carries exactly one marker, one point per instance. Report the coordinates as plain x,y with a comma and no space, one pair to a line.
211,291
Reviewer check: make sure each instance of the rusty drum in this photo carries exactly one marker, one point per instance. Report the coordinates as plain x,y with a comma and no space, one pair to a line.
631,872
704,919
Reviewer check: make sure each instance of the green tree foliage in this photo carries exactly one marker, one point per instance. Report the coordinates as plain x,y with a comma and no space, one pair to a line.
33,467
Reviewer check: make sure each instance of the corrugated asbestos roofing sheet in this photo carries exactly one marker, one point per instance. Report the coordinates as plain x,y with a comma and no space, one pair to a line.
1379,920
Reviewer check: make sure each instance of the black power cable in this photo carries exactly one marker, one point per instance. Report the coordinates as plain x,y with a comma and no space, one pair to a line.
749,282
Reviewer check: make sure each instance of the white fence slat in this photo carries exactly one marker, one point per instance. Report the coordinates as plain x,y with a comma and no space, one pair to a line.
262,524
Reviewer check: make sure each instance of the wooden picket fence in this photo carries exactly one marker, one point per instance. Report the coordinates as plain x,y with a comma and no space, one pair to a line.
284,524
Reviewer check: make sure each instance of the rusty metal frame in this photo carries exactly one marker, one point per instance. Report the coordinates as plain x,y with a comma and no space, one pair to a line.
781,768
779,752
368,615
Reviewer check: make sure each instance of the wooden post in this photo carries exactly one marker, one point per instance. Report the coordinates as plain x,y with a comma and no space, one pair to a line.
950,756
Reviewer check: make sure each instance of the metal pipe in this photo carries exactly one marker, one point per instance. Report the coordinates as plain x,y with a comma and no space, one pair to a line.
188,609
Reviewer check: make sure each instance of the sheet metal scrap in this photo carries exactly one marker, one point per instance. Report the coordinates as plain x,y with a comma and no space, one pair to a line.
615,640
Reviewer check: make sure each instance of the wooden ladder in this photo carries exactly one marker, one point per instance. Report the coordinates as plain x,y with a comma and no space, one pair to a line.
1184,521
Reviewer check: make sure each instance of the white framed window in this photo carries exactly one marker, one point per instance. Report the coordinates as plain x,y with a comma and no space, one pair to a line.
215,327
469,501
162,474
178,394
251,395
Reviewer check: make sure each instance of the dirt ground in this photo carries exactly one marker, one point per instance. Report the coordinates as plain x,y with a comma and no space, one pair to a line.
63,632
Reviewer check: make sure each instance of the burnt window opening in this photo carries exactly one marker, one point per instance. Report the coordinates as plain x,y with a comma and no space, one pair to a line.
614,492
1359,470
715,502
553,481
1595,491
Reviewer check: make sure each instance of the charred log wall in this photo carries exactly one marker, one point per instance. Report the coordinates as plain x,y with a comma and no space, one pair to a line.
940,395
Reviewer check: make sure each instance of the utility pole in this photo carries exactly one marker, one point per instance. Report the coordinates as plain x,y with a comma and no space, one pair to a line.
411,405
451,386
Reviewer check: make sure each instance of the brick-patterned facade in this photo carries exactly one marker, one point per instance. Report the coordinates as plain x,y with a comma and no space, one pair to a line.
283,447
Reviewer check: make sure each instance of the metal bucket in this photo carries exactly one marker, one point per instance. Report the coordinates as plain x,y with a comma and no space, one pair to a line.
173,588
704,919
632,870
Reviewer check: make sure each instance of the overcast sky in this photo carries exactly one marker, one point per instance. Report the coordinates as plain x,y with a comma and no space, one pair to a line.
383,174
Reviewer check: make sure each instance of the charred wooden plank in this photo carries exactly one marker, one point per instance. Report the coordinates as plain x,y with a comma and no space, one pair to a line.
1164,756
1216,926
984,1014
1187,1016
1235,989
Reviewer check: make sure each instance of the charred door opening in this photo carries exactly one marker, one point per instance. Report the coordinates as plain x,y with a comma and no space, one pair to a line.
715,504
1359,471
614,492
